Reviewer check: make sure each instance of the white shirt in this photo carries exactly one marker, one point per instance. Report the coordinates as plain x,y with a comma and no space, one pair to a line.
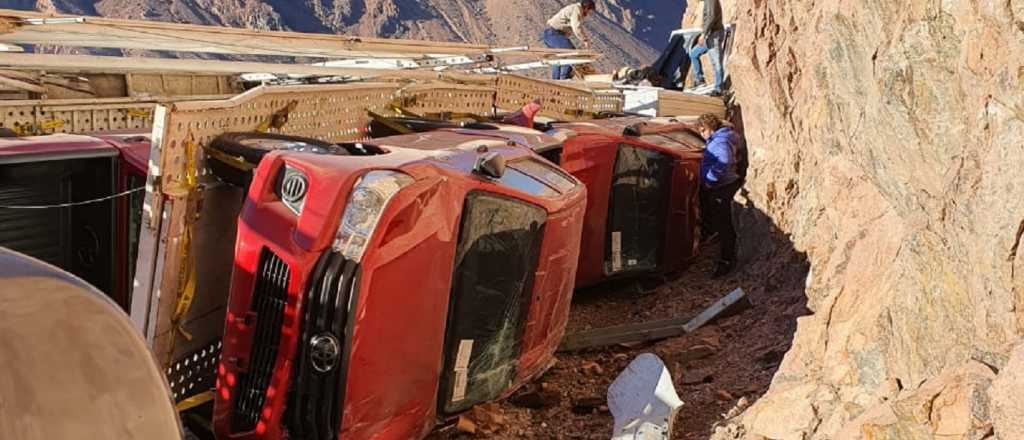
569,19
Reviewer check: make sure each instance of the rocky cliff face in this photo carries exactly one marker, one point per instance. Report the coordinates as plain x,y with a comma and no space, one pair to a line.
621,33
886,139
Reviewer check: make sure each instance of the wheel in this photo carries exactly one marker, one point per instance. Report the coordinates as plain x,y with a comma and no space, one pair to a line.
240,152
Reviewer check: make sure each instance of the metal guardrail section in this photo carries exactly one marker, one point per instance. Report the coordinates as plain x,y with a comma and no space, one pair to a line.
559,101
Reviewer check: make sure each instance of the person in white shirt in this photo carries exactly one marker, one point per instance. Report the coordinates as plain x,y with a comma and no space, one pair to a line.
556,35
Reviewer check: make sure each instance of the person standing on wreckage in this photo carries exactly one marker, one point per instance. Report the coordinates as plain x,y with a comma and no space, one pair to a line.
721,178
709,42
556,35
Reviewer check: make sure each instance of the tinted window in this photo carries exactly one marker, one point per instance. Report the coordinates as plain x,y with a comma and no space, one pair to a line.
548,174
523,182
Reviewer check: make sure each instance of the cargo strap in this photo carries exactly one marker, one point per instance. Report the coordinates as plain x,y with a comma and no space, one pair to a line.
139,113
389,123
185,189
278,119
38,129
194,401
237,162
401,111
463,115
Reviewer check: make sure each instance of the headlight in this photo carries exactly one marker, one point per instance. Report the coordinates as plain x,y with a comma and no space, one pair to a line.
365,205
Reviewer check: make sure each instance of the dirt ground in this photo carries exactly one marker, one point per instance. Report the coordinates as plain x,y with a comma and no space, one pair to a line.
726,363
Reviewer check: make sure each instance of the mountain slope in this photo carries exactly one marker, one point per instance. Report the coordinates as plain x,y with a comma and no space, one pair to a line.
496,22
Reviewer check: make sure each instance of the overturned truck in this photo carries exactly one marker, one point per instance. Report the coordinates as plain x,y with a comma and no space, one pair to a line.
381,286
376,287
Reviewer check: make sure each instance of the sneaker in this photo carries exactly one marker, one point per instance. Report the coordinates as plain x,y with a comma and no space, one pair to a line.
722,268
715,93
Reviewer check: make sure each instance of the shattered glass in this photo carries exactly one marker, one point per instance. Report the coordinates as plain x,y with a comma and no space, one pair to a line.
497,256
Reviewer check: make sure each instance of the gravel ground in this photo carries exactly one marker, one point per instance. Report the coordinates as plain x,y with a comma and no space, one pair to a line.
724,365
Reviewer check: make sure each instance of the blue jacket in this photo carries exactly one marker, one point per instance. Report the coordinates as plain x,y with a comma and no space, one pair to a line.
719,164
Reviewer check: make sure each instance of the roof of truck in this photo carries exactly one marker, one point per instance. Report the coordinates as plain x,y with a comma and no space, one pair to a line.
665,132
53,147
134,146
468,139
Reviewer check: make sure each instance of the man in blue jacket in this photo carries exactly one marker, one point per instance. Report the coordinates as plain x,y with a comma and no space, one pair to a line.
720,180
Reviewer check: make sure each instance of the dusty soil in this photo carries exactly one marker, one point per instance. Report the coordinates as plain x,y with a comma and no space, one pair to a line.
727,363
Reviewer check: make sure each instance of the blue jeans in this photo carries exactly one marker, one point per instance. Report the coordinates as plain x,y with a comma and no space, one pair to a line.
557,40
712,46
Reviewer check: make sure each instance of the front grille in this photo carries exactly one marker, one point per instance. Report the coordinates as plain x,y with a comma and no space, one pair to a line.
268,302
317,392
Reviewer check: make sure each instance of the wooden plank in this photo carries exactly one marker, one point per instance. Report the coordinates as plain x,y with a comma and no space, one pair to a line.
174,37
650,331
22,85
89,63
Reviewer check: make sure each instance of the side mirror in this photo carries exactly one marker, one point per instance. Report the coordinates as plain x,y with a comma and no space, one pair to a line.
491,165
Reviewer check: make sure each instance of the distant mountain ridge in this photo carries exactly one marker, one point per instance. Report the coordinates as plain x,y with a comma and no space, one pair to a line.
626,32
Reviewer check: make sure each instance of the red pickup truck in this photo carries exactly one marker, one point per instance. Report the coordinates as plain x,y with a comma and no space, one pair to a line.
642,178
380,287
44,179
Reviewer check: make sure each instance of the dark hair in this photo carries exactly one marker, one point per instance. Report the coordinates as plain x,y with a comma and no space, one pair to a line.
709,121
588,4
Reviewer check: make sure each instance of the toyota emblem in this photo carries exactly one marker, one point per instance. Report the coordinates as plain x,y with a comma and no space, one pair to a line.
294,187
324,352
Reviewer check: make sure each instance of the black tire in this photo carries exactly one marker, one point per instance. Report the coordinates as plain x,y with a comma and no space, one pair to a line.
247,147
422,125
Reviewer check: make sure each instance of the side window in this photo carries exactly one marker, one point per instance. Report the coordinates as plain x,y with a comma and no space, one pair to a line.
553,154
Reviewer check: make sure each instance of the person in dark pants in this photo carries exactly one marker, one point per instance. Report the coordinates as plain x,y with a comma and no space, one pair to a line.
710,42
556,35
720,180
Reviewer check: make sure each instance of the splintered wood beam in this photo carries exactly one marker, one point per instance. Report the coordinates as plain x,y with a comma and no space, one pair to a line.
23,27
654,330
21,85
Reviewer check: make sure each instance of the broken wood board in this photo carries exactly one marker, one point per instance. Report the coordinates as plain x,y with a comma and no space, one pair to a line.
651,331
167,66
673,103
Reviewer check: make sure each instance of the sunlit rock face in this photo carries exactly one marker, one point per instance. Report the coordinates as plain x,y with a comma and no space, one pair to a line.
887,138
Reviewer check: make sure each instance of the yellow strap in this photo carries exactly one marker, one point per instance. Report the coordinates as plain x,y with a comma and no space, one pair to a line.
38,129
233,161
398,109
138,113
389,123
52,124
472,116
194,401
279,118
187,289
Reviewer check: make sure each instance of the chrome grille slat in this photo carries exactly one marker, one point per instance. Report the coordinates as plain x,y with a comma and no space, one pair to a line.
270,293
